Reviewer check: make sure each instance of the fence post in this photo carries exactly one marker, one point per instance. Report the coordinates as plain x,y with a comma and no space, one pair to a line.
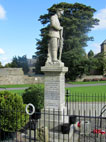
67,95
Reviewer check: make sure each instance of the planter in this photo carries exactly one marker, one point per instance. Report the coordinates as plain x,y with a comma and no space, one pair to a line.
36,115
72,119
65,128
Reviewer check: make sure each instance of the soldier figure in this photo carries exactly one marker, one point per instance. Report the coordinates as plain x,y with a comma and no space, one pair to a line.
56,38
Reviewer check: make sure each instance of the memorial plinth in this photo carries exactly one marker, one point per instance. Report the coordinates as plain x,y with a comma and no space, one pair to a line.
54,97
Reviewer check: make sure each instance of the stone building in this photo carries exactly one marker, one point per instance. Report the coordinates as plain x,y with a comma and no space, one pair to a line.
103,50
103,46
31,64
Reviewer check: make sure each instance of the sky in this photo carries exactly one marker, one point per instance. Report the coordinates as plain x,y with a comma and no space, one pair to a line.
19,26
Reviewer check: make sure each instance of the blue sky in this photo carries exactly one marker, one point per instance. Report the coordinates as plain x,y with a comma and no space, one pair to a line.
19,25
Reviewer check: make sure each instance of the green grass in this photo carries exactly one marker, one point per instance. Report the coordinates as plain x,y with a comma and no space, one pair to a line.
89,89
17,85
90,82
20,92
88,94
78,93
82,94
87,98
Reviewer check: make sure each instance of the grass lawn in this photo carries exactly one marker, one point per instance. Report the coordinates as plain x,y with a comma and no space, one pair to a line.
78,93
89,89
90,82
88,94
16,86
20,92
82,94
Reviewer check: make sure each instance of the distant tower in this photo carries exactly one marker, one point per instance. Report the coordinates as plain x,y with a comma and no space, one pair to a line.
103,50
103,46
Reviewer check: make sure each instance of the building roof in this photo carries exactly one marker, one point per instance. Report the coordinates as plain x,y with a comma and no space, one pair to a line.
104,42
31,62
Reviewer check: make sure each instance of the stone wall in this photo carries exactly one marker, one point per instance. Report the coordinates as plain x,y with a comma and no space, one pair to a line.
89,77
11,71
16,76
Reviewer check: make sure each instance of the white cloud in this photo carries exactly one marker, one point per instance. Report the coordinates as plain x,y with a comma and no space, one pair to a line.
101,15
2,12
95,47
4,60
1,51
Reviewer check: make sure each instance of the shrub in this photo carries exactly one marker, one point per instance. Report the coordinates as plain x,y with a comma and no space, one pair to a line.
34,95
103,79
12,112
87,80
95,79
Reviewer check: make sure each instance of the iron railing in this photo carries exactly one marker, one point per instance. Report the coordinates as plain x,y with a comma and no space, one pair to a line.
84,120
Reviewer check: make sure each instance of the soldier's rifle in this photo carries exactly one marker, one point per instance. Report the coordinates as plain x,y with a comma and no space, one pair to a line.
61,44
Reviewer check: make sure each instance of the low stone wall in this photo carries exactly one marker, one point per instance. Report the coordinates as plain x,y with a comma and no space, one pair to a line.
89,77
11,71
16,76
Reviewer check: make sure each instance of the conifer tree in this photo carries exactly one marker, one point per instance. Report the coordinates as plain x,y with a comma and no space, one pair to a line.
77,21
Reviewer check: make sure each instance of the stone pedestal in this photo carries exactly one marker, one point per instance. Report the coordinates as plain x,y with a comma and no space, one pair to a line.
54,113
54,97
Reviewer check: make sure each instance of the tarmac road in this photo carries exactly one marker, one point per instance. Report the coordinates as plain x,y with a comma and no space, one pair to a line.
82,85
21,88
66,85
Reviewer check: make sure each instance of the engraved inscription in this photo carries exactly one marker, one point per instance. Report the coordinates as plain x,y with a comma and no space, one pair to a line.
54,90
51,103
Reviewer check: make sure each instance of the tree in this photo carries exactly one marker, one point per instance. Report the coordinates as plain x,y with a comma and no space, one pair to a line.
90,54
92,66
19,62
77,22
22,62
1,66
15,63
77,63
101,63
8,65
91,63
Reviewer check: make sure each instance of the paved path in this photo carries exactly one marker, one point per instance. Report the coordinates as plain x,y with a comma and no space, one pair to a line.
23,88
82,85
66,85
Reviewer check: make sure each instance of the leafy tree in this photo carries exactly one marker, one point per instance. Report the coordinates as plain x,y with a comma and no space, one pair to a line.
77,63
15,62
19,62
92,66
104,64
1,66
22,62
90,54
77,22
8,65
92,62
101,63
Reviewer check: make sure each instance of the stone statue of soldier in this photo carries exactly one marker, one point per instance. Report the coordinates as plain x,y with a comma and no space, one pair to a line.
56,38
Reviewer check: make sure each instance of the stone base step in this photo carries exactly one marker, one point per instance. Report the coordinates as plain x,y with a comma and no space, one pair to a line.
54,135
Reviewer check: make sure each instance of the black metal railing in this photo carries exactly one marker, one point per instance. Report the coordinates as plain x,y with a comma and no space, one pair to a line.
84,120
85,102
56,126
